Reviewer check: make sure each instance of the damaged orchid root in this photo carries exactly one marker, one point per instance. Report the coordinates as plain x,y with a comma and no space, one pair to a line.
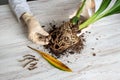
65,37
31,61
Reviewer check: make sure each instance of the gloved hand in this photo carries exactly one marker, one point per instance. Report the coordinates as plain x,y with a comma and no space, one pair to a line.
35,32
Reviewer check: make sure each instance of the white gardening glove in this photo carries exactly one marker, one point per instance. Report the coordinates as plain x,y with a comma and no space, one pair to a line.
35,32
90,7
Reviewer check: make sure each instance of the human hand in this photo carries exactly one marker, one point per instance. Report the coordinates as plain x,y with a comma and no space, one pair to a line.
35,32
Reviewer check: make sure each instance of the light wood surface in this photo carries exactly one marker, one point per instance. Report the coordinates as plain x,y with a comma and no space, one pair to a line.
13,41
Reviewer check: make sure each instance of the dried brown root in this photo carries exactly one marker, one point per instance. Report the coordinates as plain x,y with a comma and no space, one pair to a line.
28,55
31,68
31,61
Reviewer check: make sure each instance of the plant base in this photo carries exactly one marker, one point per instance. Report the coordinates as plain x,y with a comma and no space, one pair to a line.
65,37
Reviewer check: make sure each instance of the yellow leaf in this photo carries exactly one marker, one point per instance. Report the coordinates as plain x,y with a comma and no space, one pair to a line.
53,61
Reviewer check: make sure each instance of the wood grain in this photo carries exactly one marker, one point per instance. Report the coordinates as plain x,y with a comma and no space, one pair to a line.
13,41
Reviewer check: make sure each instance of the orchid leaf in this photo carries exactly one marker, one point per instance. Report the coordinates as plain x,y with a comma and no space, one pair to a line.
53,61
115,9
76,18
101,13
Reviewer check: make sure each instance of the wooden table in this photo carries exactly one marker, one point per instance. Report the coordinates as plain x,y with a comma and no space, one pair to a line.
104,38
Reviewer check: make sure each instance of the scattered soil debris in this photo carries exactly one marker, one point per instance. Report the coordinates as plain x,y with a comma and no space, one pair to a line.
87,32
65,38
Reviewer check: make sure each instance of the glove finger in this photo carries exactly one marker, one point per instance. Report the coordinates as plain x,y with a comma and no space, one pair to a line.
36,38
43,32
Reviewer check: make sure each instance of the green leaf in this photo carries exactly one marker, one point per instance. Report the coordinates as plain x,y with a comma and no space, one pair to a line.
115,9
104,5
101,13
80,9
53,61
76,18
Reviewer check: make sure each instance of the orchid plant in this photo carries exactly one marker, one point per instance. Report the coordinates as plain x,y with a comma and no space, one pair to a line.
99,14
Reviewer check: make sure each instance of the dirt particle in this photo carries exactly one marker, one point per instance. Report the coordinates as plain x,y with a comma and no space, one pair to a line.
68,61
89,32
43,26
84,40
97,39
93,48
82,35
86,31
94,54
71,52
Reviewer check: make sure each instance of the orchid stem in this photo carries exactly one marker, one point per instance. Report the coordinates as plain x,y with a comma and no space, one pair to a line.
76,18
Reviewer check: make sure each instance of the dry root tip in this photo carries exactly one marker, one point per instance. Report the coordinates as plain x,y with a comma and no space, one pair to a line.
31,68
28,55
28,63
33,63
28,58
